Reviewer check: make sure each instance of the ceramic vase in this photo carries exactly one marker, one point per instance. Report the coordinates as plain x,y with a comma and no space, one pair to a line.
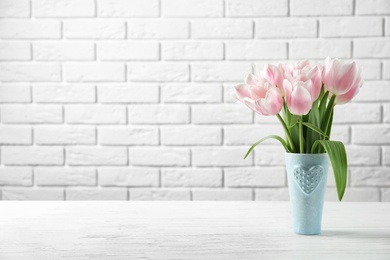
307,175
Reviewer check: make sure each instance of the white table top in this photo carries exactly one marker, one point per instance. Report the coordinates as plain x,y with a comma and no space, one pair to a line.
188,230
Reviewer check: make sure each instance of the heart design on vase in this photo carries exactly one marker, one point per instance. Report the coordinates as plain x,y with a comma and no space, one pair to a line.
308,180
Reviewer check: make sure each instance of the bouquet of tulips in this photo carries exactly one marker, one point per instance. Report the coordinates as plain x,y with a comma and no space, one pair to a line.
306,95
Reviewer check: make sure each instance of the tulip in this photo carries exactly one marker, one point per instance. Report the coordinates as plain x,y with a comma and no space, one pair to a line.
345,98
274,74
298,96
341,78
259,95
303,71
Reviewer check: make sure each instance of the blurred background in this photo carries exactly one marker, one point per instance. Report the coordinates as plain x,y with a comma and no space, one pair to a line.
129,99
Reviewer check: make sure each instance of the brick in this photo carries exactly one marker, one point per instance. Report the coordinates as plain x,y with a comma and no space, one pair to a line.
256,50
157,29
363,155
159,156
374,91
159,114
386,155
386,195
191,93
255,177
68,176
128,50
191,135
253,8
30,29
32,114
371,134
386,69
192,50
15,93
387,26
357,113
123,8
222,194
158,71
96,194
286,28
29,72
128,93
64,135
262,120
220,156
160,194
15,135
220,71
63,51
354,194
340,133
92,72
128,177
221,114
221,29
15,50
372,176
371,69
267,155
191,177
192,8
12,8
64,93
351,27
321,8
33,194
371,48
128,135
96,155
94,29
16,176
19,155
317,49
372,7
63,8
279,194
249,134
79,114
386,113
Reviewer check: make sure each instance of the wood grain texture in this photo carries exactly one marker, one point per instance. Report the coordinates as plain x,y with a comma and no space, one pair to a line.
188,230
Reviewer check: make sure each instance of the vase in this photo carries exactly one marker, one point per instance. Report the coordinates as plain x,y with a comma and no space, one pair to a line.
307,175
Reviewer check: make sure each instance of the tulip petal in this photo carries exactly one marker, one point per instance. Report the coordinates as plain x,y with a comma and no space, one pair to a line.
241,91
301,102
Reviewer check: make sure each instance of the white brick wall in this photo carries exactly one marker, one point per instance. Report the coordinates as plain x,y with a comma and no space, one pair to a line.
129,100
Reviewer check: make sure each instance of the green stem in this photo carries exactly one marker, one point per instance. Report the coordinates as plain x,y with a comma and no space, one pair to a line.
289,140
328,115
301,147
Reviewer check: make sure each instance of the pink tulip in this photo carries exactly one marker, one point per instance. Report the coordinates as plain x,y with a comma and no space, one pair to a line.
340,78
345,98
303,71
259,95
298,96
274,74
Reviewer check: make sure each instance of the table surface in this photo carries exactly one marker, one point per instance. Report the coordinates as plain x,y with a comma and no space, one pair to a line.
189,230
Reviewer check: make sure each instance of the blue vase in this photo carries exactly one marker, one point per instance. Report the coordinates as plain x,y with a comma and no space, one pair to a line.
307,175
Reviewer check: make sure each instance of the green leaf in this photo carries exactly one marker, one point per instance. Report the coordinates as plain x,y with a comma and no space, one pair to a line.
276,137
322,106
314,128
293,121
338,158
314,118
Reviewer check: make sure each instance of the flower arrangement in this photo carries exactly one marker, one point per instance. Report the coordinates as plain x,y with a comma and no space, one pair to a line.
306,94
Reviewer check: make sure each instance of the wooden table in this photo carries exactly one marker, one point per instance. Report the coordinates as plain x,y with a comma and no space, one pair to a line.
188,230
